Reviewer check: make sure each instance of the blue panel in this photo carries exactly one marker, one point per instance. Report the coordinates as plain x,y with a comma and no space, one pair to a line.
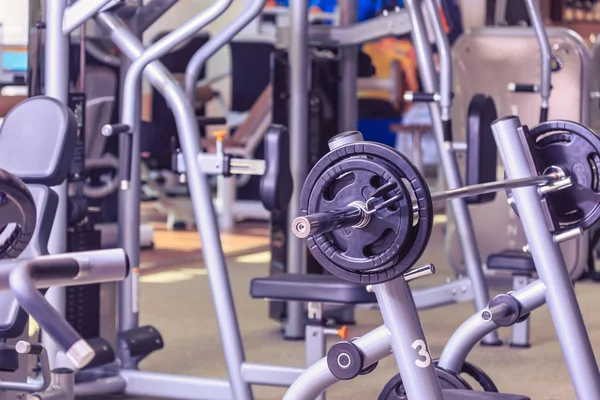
14,61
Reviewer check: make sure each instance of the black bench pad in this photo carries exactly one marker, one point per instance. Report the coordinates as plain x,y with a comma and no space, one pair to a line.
455,394
309,287
512,260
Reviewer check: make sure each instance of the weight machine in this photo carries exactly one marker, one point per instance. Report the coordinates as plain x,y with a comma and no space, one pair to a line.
367,215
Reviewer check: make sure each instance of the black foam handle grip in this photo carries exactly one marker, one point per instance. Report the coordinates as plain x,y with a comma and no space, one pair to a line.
276,184
325,222
543,114
125,147
523,88
447,130
206,121
422,97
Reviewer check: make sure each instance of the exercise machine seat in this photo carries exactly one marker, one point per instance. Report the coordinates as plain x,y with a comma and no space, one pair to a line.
457,394
310,288
37,142
512,260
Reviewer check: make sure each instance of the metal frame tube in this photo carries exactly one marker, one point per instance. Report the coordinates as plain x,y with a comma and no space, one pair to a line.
537,21
443,46
79,12
129,196
466,337
199,59
56,66
298,121
374,345
408,342
200,193
348,86
549,262
450,167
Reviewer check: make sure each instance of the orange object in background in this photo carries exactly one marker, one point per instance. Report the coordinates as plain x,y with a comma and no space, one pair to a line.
383,53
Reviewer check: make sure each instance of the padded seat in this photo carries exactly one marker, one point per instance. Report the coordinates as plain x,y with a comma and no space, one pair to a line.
512,260
310,288
455,394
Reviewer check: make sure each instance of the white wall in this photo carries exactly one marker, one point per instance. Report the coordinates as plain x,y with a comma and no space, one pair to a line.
14,17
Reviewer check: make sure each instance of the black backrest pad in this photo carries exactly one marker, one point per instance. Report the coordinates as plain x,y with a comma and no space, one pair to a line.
481,147
37,140
276,184
13,319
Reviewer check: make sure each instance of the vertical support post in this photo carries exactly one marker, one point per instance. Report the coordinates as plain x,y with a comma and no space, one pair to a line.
450,167
549,262
348,102
315,344
409,346
128,222
56,82
348,88
299,84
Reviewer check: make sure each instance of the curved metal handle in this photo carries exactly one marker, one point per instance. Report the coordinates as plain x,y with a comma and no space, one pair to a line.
22,284
535,15
199,59
132,86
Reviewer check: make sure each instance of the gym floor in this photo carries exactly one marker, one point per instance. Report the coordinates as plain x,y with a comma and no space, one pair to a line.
177,301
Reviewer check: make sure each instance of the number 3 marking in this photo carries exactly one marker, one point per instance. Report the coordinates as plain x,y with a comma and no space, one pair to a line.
423,352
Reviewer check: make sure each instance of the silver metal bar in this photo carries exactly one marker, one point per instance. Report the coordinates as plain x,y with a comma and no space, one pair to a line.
549,262
521,330
101,386
537,20
449,164
493,187
79,12
443,46
408,342
200,192
298,129
419,272
212,164
393,24
270,375
57,86
164,386
199,59
466,337
243,166
348,67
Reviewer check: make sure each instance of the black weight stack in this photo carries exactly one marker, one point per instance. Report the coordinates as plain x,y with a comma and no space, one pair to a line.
322,126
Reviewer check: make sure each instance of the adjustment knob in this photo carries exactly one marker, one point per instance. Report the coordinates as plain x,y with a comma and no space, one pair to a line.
345,360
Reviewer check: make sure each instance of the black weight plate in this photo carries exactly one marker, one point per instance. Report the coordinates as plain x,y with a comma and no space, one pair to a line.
375,245
394,389
397,168
576,150
16,207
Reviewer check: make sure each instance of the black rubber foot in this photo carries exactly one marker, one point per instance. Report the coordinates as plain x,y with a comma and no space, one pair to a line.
519,346
497,343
